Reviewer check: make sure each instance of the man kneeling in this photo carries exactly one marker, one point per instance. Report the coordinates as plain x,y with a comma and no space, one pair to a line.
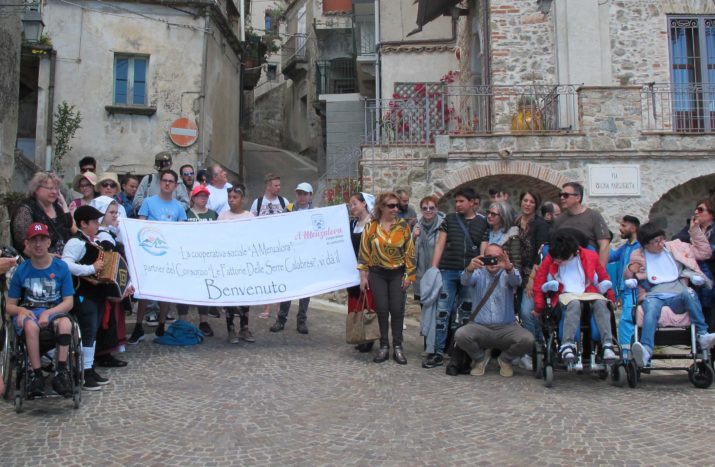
40,294
493,322
662,270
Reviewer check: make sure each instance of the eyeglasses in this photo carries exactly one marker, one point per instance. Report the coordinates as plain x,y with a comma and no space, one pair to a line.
701,209
392,205
109,185
50,188
563,194
167,180
429,208
187,174
492,213
85,185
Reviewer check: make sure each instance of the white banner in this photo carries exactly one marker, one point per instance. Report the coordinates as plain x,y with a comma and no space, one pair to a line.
266,259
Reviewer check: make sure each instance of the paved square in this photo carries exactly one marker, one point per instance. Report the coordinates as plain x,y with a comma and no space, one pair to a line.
291,399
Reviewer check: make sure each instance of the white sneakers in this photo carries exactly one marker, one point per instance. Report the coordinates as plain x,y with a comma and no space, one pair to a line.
641,354
706,340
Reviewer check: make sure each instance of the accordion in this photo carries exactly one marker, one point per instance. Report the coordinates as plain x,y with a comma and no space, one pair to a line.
114,274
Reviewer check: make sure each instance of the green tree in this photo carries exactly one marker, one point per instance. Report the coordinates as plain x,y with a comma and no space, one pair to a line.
67,122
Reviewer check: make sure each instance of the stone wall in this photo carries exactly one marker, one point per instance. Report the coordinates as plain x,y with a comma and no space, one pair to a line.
522,43
267,118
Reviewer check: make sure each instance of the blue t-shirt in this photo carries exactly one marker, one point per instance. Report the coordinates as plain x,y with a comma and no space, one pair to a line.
41,286
156,209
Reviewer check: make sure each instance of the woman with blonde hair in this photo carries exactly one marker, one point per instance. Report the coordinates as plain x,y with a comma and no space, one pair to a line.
387,266
44,204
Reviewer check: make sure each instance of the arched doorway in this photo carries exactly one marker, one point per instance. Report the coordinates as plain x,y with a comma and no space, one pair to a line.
674,208
514,185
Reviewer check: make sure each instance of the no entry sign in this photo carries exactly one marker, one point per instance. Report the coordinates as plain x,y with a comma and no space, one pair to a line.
183,132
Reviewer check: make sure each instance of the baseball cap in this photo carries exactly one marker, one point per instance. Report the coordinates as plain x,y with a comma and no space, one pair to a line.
86,213
161,158
35,229
304,187
200,189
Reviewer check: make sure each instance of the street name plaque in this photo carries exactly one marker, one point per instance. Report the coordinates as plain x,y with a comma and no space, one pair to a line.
614,180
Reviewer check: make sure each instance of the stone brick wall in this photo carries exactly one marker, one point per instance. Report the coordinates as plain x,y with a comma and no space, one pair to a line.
522,43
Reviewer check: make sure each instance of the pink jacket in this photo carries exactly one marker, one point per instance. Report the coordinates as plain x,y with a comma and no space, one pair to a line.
687,254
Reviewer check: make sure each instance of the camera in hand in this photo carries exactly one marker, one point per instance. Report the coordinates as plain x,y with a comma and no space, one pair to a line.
10,252
490,260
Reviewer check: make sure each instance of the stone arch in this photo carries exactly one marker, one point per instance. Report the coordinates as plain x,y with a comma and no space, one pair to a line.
515,177
492,169
676,205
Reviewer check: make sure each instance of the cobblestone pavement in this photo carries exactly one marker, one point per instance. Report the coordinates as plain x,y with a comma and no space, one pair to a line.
290,399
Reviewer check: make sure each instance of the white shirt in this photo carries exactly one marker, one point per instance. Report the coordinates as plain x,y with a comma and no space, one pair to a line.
572,276
660,267
218,198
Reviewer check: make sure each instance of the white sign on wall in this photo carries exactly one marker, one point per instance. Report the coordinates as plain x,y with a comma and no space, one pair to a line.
614,180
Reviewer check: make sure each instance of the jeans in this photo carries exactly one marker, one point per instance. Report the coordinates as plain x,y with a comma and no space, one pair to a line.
686,301
88,312
183,310
447,303
302,310
530,322
386,287
572,320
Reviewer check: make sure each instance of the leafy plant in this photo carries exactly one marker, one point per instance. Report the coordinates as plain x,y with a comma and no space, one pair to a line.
67,122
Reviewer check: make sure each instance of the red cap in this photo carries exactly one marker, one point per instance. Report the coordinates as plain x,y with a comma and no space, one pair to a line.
35,229
199,189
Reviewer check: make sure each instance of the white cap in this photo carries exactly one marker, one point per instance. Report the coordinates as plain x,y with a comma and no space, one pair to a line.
304,187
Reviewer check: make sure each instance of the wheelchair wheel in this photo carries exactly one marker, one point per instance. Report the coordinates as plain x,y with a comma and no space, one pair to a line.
18,403
77,397
632,372
602,374
537,362
6,361
618,375
701,375
548,376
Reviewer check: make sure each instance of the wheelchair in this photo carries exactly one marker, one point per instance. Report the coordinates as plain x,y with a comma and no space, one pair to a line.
16,364
674,330
546,356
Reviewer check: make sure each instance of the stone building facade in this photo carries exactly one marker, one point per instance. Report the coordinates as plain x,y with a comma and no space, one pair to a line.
184,59
585,74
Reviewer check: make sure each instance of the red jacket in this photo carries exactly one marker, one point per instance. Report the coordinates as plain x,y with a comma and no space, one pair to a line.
548,270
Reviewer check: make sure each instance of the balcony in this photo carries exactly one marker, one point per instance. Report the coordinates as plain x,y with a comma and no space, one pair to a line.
294,60
335,77
364,44
424,110
680,108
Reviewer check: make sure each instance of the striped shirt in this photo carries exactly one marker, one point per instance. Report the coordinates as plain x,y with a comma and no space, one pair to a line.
388,250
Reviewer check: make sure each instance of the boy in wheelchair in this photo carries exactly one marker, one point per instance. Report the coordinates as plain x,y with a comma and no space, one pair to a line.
575,276
662,270
40,295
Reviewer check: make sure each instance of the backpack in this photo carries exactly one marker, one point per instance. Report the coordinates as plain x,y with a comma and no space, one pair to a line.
259,203
181,333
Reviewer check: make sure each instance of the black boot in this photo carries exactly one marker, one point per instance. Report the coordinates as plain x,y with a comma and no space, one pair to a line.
382,355
398,356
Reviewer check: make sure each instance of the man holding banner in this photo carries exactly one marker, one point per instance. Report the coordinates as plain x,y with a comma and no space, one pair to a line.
162,207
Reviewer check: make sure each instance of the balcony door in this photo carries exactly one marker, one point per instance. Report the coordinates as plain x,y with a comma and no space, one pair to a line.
692,58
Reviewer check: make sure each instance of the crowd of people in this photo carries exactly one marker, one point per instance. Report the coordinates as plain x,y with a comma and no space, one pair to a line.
481,275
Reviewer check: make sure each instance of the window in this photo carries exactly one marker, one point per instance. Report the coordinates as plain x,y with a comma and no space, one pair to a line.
692,58
130,79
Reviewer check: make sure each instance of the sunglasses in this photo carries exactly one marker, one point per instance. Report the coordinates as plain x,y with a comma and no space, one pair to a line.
491,213
392,205
701,209
187,174
566,195
235,190
108,185
429,208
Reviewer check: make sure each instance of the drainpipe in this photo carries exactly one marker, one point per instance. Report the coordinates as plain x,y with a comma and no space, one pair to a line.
202,109
50,110
242,12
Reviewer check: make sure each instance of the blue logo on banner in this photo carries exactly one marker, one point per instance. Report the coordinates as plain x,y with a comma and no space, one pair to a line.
318,221
152,241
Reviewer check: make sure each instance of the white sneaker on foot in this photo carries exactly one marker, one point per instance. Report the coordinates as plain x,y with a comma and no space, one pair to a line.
706,340
525,362
609,356
641,354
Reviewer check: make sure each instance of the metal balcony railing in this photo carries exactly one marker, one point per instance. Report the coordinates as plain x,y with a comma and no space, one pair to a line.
679,108
418,116
335,76
293,49
364,34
